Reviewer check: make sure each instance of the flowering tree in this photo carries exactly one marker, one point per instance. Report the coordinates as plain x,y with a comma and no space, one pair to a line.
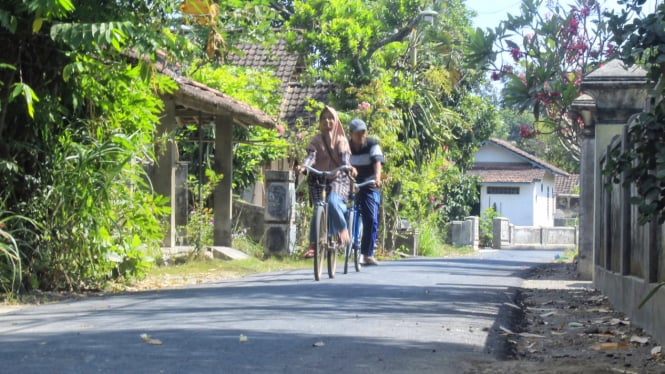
542,56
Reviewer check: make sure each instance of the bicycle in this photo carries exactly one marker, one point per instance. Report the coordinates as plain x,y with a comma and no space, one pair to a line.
355,227
326,245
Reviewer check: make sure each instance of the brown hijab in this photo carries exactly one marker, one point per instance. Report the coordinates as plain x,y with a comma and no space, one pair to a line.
330,147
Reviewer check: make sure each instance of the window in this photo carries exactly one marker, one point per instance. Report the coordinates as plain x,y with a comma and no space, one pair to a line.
503,190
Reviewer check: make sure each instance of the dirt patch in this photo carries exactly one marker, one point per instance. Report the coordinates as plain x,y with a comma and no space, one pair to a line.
569,327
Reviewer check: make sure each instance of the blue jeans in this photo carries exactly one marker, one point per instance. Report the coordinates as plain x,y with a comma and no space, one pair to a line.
368,203
336,217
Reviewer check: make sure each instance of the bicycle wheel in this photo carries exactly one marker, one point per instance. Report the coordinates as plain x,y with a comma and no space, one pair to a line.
332,257
348,250
356,246
321,227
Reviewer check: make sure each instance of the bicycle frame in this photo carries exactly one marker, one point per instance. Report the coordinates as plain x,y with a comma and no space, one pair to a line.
354,222
325,245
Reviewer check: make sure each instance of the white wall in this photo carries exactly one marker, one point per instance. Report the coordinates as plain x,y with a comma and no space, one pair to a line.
534,206
490,152
544,206
517,208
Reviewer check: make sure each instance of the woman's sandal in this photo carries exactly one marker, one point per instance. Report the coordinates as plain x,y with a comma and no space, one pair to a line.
309,253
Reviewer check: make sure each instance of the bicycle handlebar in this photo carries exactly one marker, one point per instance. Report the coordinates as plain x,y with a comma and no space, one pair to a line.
365,183
329,173
332,173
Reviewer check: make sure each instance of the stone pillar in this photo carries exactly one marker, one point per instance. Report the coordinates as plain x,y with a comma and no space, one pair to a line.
223,191
474,223
457,238
280,229
164,173
182,198
586,212
500,232
585,106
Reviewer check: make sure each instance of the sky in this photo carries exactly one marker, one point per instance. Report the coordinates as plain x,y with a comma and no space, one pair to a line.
491,12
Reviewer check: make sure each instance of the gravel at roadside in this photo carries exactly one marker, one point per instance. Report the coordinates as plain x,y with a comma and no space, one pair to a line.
566,322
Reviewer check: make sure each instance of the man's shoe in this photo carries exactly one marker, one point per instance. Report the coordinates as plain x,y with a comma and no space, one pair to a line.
369,260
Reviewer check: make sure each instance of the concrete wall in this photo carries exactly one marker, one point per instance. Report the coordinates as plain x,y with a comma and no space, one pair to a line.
508,236
628,261
250,217
464,233
627,258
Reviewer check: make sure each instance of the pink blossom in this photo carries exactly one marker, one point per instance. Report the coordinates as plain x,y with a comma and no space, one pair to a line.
527,132
363,107
516,53
280,129
300,135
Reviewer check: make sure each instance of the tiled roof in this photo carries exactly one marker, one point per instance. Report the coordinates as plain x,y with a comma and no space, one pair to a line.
206,102
504,172
529,157
288,68
285,64
296,99
565,185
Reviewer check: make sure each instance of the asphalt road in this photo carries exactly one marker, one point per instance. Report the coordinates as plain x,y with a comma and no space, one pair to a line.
419,315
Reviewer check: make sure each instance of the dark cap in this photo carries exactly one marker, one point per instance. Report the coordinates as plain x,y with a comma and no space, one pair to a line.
357,125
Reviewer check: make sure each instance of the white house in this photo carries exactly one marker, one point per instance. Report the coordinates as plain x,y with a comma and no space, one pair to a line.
518,185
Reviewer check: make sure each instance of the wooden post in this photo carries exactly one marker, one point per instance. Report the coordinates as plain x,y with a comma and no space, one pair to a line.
164,179
223,191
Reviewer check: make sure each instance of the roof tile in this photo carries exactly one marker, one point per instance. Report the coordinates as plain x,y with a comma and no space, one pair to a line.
530,158
565,185
506,172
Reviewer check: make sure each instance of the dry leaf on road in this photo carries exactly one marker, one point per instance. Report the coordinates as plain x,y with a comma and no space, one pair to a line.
639,339
150,340
610,346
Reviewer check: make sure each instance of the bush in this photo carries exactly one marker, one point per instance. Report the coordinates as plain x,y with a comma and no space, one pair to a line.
486,227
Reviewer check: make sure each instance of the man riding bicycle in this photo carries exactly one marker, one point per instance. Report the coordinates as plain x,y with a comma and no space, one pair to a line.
367,160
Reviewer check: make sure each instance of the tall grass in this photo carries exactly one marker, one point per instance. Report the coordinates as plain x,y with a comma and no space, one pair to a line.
431,243
11,266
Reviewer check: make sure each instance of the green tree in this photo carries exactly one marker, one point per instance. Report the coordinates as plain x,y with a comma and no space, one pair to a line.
77,120
642,42
549,47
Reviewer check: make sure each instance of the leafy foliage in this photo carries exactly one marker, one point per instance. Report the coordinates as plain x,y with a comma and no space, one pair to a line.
643,162
486,227
11,265
74,155
550,48
254,146
410,81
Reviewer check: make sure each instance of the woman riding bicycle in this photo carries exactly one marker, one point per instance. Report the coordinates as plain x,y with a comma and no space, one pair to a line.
328,150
